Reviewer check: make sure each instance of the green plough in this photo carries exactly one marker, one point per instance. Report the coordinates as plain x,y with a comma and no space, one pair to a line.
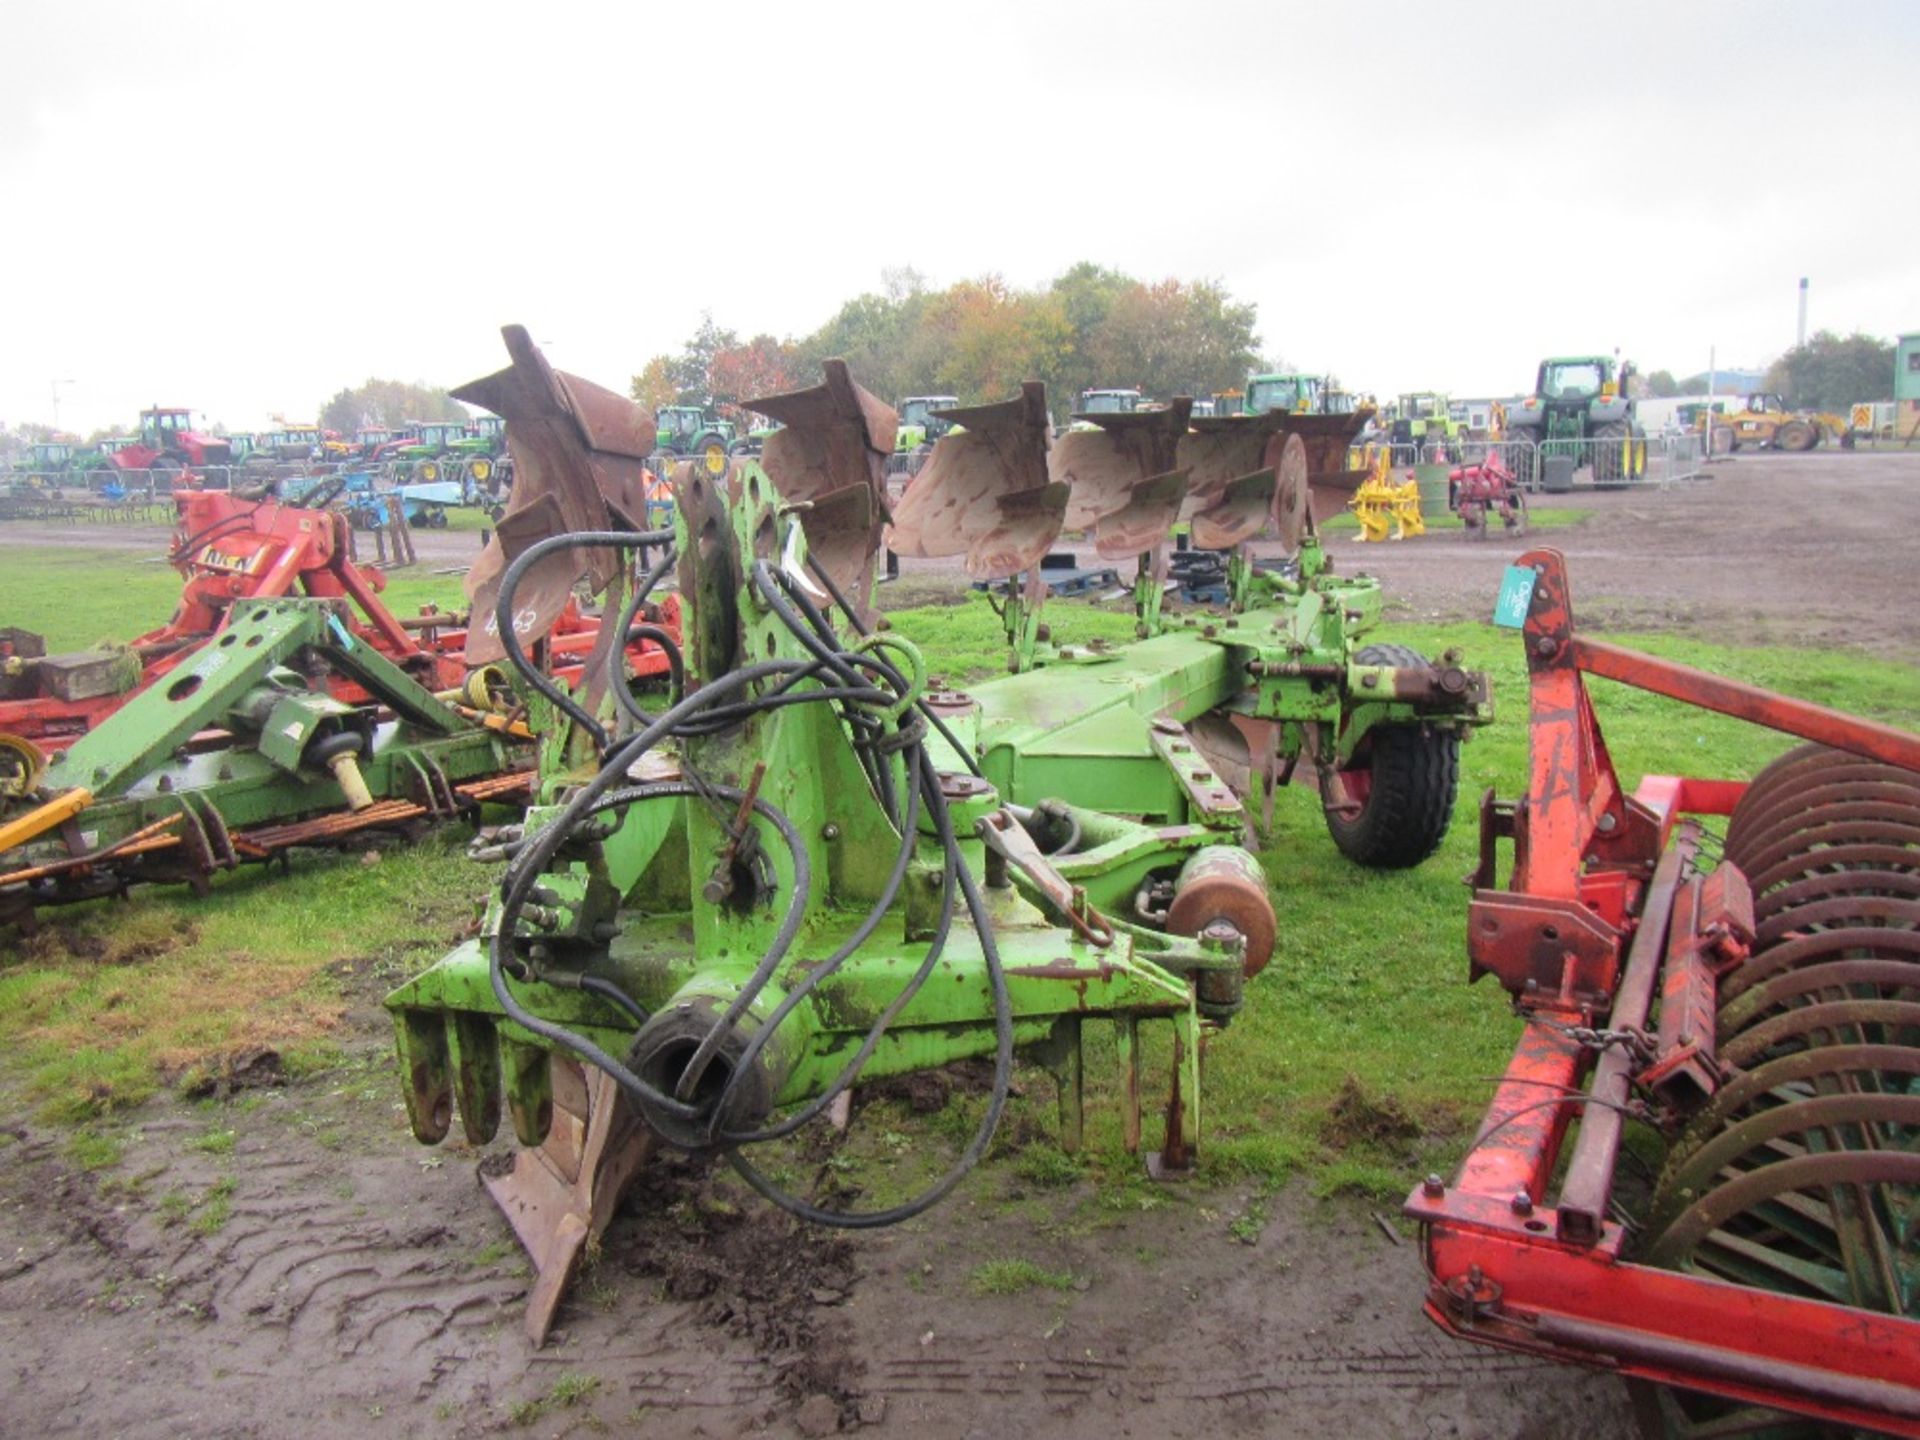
802,868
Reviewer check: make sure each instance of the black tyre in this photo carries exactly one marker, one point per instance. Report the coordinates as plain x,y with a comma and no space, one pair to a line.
1403,779
1795,436
1610,447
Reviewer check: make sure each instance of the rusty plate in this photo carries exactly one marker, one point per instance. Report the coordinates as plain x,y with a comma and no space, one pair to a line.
1240,511
835,437
578,455
1291,491
954,505
1142,523
1104,463
1027,524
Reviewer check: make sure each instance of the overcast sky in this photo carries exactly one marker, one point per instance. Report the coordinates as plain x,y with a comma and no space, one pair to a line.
244,208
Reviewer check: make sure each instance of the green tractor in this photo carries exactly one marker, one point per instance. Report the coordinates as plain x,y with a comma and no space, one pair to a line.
1577,399
690,431
1295,394
45,461
920,426
1423,420
434,450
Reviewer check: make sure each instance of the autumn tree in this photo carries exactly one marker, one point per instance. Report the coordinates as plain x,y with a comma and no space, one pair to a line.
762,366
1830,372
389,403
1175,338
990,337
654,386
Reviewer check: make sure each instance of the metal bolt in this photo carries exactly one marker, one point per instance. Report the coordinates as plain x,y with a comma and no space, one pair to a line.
1546,645
1606,824
1209,632
1369,682
1522,1203
830,831
1433,1187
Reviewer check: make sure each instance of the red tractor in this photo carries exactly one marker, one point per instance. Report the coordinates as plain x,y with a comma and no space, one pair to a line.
168,444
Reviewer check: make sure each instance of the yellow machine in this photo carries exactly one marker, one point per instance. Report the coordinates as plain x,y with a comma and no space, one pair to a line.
1765,422
1381,504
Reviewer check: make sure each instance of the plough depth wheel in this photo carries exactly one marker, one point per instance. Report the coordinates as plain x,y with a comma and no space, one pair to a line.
1398,793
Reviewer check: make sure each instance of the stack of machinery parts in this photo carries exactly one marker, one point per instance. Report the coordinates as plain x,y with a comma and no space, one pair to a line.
284,705
806,868
1757,1010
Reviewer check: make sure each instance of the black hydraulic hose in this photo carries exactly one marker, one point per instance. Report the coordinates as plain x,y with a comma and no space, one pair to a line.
926,711
503,611
629,632
579,1044
607,990
526,868
839,675
814,977
676,670
989,1122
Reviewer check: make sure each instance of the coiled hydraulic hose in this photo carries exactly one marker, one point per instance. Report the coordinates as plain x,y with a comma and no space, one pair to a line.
863,683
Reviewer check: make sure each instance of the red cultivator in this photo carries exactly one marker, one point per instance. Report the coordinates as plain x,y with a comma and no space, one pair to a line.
228,550
1762,1014
231,550
1485,491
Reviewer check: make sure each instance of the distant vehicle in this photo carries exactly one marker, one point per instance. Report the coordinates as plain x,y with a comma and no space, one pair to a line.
920,427
1298,394
1109,402
1582,398
1765,422
691,430
1424,419
167,444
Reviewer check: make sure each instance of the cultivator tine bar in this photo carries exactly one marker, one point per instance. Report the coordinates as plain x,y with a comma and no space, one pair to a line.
140,842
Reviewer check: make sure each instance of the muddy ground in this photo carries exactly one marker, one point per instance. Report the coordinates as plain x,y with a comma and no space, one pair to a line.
323,1275
360,1284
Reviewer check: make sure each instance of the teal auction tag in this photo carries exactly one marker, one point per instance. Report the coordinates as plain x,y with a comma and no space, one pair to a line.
346,636
1516,597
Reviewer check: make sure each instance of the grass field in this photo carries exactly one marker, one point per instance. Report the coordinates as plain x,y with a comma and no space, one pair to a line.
1362,1056
75,596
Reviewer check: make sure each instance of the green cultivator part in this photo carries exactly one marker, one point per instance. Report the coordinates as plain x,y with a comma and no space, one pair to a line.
239,753
802,869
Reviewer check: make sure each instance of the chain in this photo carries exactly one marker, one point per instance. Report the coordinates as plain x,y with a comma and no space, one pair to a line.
1635,1041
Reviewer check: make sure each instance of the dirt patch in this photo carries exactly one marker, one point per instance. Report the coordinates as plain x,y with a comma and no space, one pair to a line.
1358,1117
156,935
749,1270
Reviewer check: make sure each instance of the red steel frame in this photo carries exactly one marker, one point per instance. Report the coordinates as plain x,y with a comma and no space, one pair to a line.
231,550
1607,900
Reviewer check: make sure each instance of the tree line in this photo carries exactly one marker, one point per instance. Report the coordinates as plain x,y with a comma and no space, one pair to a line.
978,339
1829,372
